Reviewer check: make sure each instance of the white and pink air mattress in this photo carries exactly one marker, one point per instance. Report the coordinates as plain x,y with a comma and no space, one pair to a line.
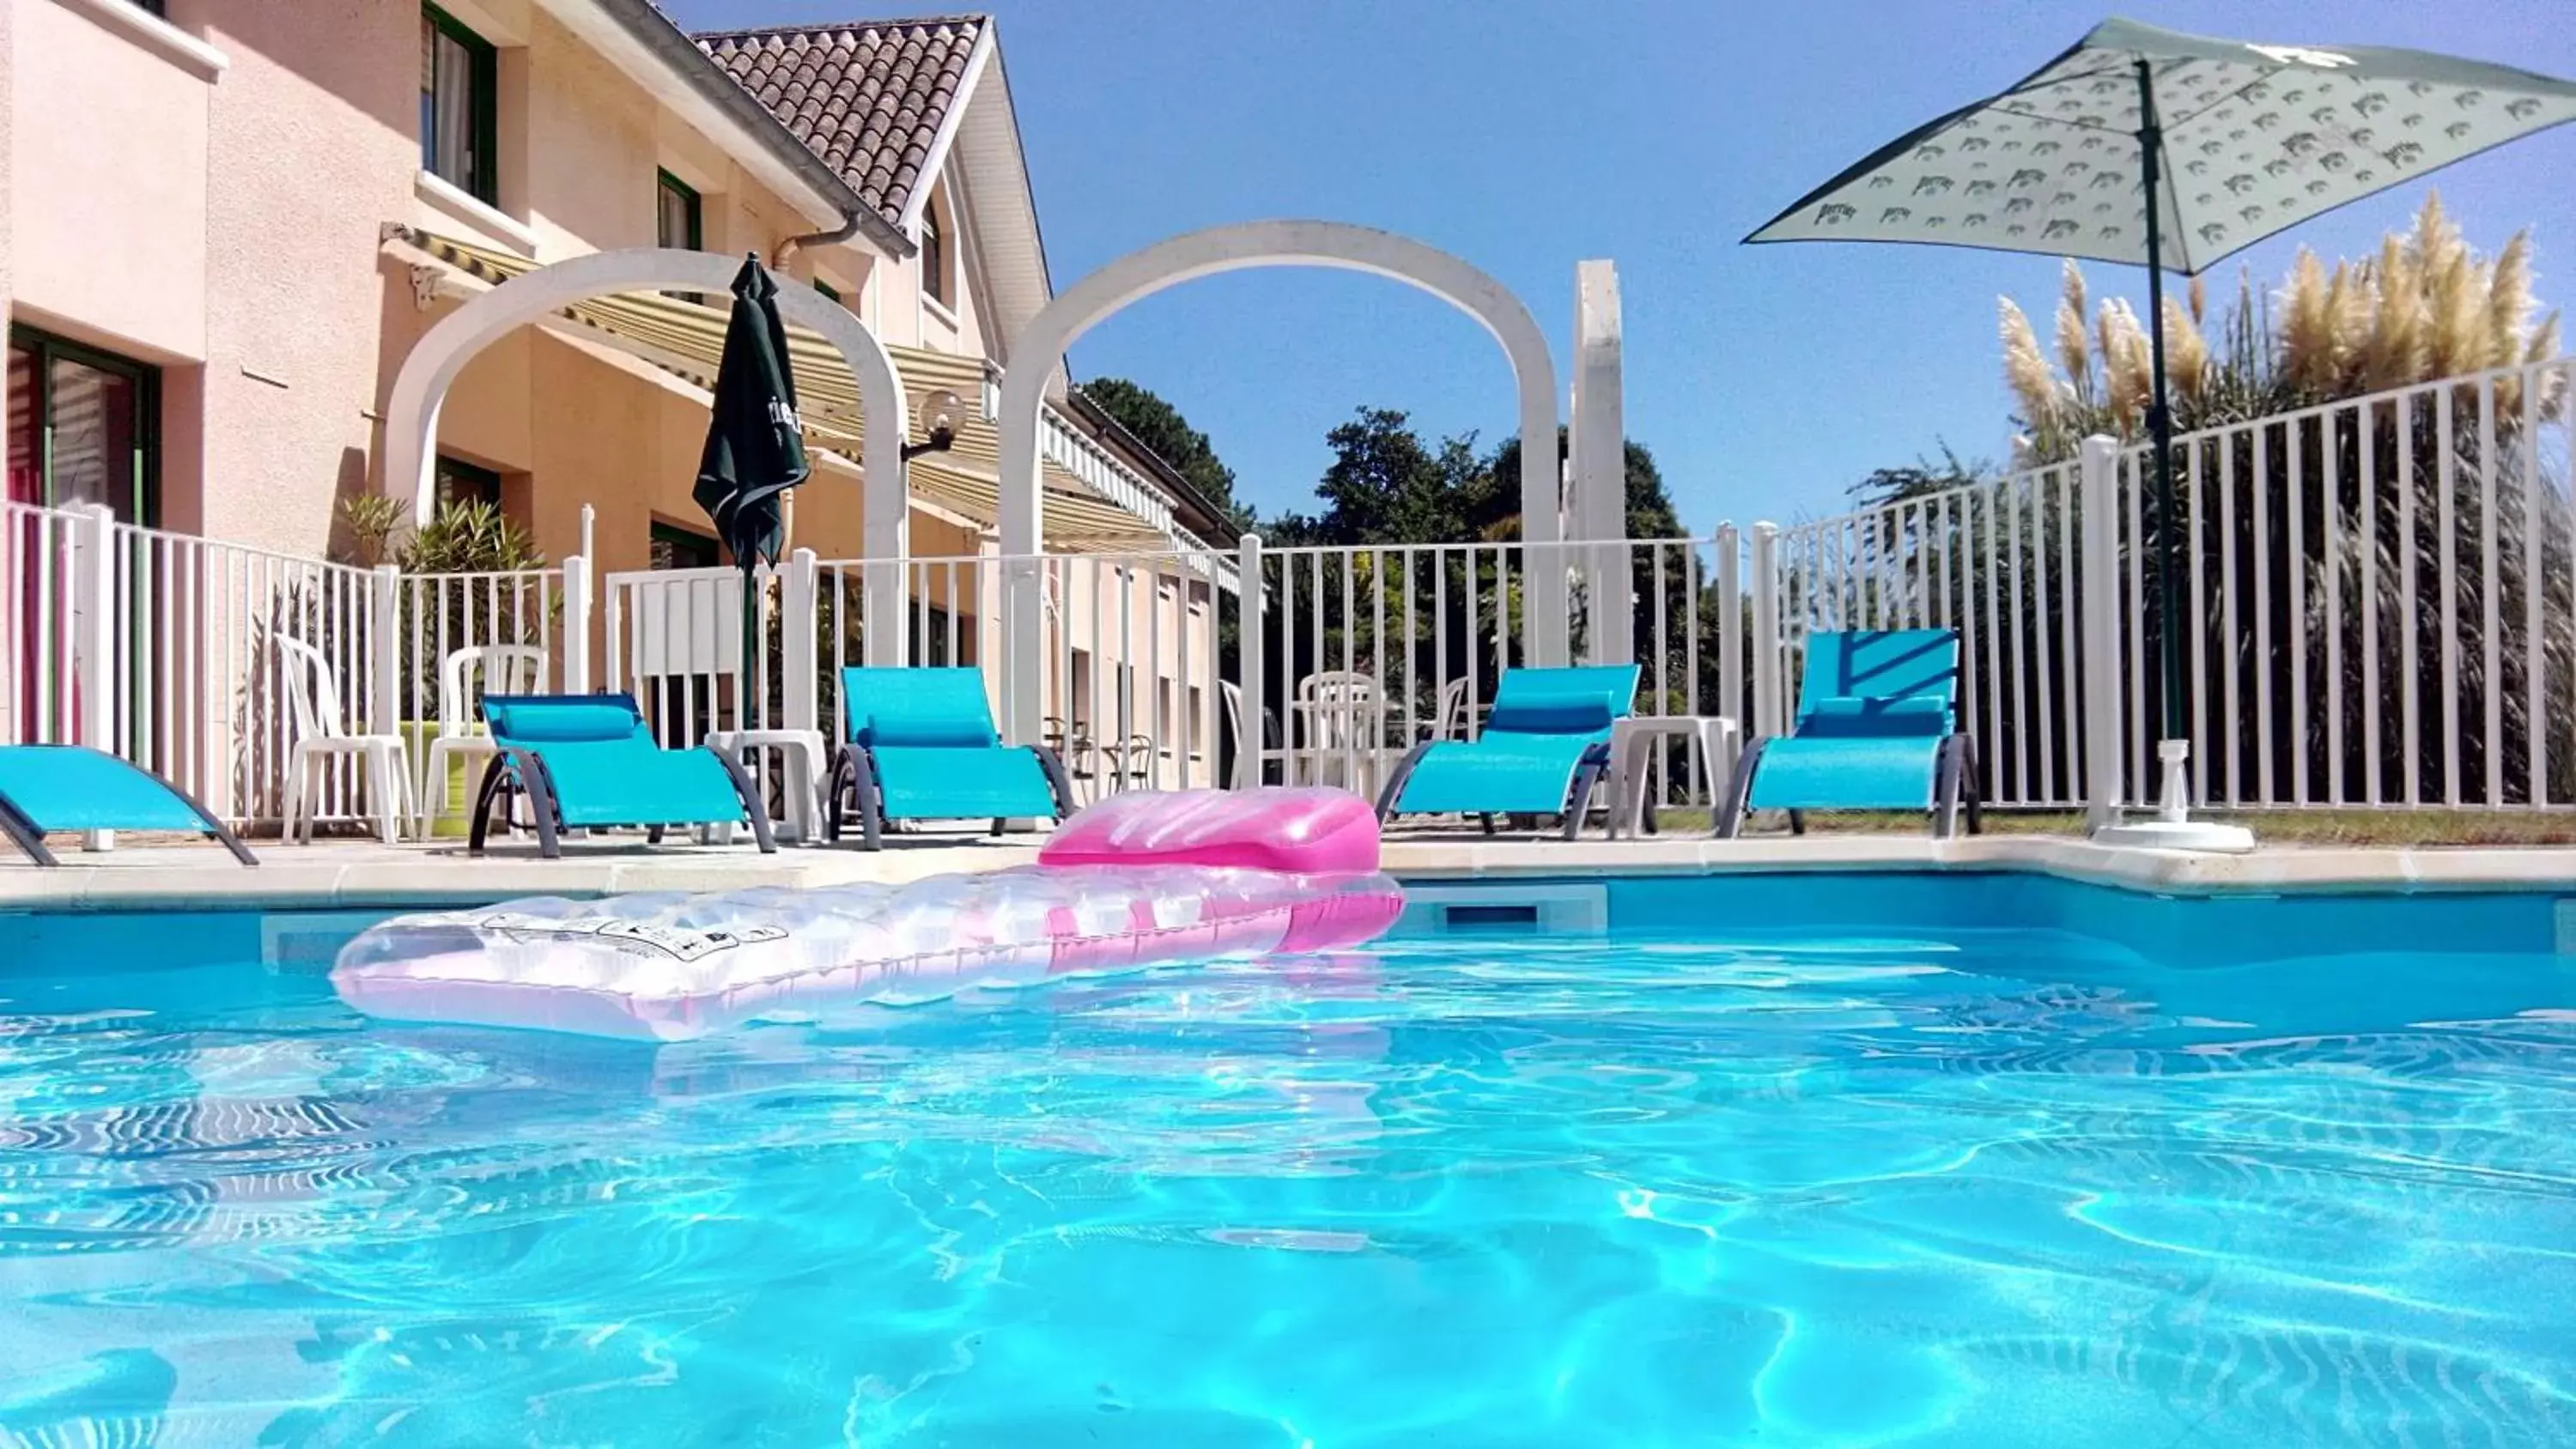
1142,879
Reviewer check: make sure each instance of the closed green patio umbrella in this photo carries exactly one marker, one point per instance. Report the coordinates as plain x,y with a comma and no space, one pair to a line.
2173,151
755,448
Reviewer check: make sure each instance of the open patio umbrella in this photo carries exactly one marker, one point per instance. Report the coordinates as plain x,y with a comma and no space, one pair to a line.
755,448
2231,141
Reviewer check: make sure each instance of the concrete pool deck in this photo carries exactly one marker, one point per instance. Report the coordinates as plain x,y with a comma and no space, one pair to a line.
361,874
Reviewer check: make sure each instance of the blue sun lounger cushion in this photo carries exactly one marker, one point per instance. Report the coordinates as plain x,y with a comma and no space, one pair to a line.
922,746
1544,746
589,761
46,788
1877,729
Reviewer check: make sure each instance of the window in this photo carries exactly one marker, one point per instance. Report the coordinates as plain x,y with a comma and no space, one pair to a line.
934,255
458,131
679,220
678,548
463,482
83,427
930,646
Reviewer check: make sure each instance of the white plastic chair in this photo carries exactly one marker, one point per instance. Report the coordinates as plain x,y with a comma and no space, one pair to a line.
321,731
1337,711
1255,744
1449,722
464,677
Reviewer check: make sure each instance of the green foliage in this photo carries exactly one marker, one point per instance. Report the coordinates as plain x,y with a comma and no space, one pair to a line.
1425,614
1923,478
466,537
1159,426
1388,486
470,537
371,520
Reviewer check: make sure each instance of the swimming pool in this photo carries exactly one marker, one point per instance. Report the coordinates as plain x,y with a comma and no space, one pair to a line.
1800,1160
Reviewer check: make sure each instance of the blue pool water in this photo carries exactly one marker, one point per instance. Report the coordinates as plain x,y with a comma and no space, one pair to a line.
2249,1173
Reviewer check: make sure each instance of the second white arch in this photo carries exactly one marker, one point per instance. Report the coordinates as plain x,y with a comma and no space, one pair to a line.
1038,349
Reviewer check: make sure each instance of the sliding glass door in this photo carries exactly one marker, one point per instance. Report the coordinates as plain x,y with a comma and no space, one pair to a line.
82,427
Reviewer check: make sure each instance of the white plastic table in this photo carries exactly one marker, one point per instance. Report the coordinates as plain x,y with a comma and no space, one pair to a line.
1713,743
807,769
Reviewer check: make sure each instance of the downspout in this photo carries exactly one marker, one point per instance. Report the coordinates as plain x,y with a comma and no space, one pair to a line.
779,256
787,248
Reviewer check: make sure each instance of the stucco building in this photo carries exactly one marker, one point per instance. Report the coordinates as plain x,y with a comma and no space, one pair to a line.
230,221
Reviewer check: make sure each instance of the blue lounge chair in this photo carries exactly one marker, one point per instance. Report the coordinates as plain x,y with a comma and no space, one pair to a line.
1878,729
588,761
1544,748
73,787
922,746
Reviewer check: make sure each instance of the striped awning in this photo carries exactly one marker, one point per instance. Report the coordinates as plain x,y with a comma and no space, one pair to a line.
686,339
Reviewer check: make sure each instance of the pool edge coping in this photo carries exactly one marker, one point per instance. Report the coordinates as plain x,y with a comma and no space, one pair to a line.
378,878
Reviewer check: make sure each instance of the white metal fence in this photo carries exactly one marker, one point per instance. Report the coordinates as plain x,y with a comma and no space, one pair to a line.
166,649
1135,661
1360,653
2377,608
2377,601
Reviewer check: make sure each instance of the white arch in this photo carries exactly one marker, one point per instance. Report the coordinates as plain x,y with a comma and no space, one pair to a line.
1038,349
420,389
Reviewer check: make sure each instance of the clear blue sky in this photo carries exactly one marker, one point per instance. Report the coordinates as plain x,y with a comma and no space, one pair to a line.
1525,134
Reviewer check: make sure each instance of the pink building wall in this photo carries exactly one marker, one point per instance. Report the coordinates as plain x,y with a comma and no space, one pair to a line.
8,132
311,141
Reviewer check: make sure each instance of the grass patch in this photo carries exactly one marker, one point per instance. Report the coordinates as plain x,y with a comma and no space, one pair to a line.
2390,827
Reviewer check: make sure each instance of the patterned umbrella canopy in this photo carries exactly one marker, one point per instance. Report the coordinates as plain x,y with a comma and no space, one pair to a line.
2256,138
2172,151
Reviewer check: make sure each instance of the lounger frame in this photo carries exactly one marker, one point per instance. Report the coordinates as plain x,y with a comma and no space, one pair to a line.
518,767
1587,776
854,789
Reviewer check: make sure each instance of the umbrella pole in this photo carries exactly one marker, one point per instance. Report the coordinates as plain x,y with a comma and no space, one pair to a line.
742,708
2160,412
2173,828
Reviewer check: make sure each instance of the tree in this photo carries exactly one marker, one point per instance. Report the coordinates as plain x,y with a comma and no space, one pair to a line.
1159,426
1923,478
1373,595
1650,506
1387,486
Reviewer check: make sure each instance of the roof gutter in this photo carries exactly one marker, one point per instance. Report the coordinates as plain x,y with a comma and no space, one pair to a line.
650,33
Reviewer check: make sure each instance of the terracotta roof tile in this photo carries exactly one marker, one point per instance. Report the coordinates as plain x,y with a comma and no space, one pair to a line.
867,96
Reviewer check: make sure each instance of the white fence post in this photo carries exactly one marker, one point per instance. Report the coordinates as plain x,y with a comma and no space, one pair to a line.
1253,604
2101,639
881,615
94,621
384,649
93,536
1730,626
797,627
1766,642
577,595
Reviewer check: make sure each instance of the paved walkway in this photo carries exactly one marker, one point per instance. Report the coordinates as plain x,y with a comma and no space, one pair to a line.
363,873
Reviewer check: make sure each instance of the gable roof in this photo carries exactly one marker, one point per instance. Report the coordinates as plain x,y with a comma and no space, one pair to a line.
870,97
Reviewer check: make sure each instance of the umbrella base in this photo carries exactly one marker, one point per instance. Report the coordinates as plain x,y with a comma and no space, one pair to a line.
2173,828
2200,835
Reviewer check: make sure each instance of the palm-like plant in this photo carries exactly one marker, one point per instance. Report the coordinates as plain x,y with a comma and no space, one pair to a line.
2298,503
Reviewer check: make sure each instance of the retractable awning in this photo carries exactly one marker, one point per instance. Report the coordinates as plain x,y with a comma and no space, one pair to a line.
686,339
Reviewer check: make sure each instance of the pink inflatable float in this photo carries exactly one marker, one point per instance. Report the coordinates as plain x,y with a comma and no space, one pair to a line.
1139,880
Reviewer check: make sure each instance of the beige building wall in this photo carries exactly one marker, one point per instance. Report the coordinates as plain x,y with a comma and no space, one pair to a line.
581,150
310,148
225,225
